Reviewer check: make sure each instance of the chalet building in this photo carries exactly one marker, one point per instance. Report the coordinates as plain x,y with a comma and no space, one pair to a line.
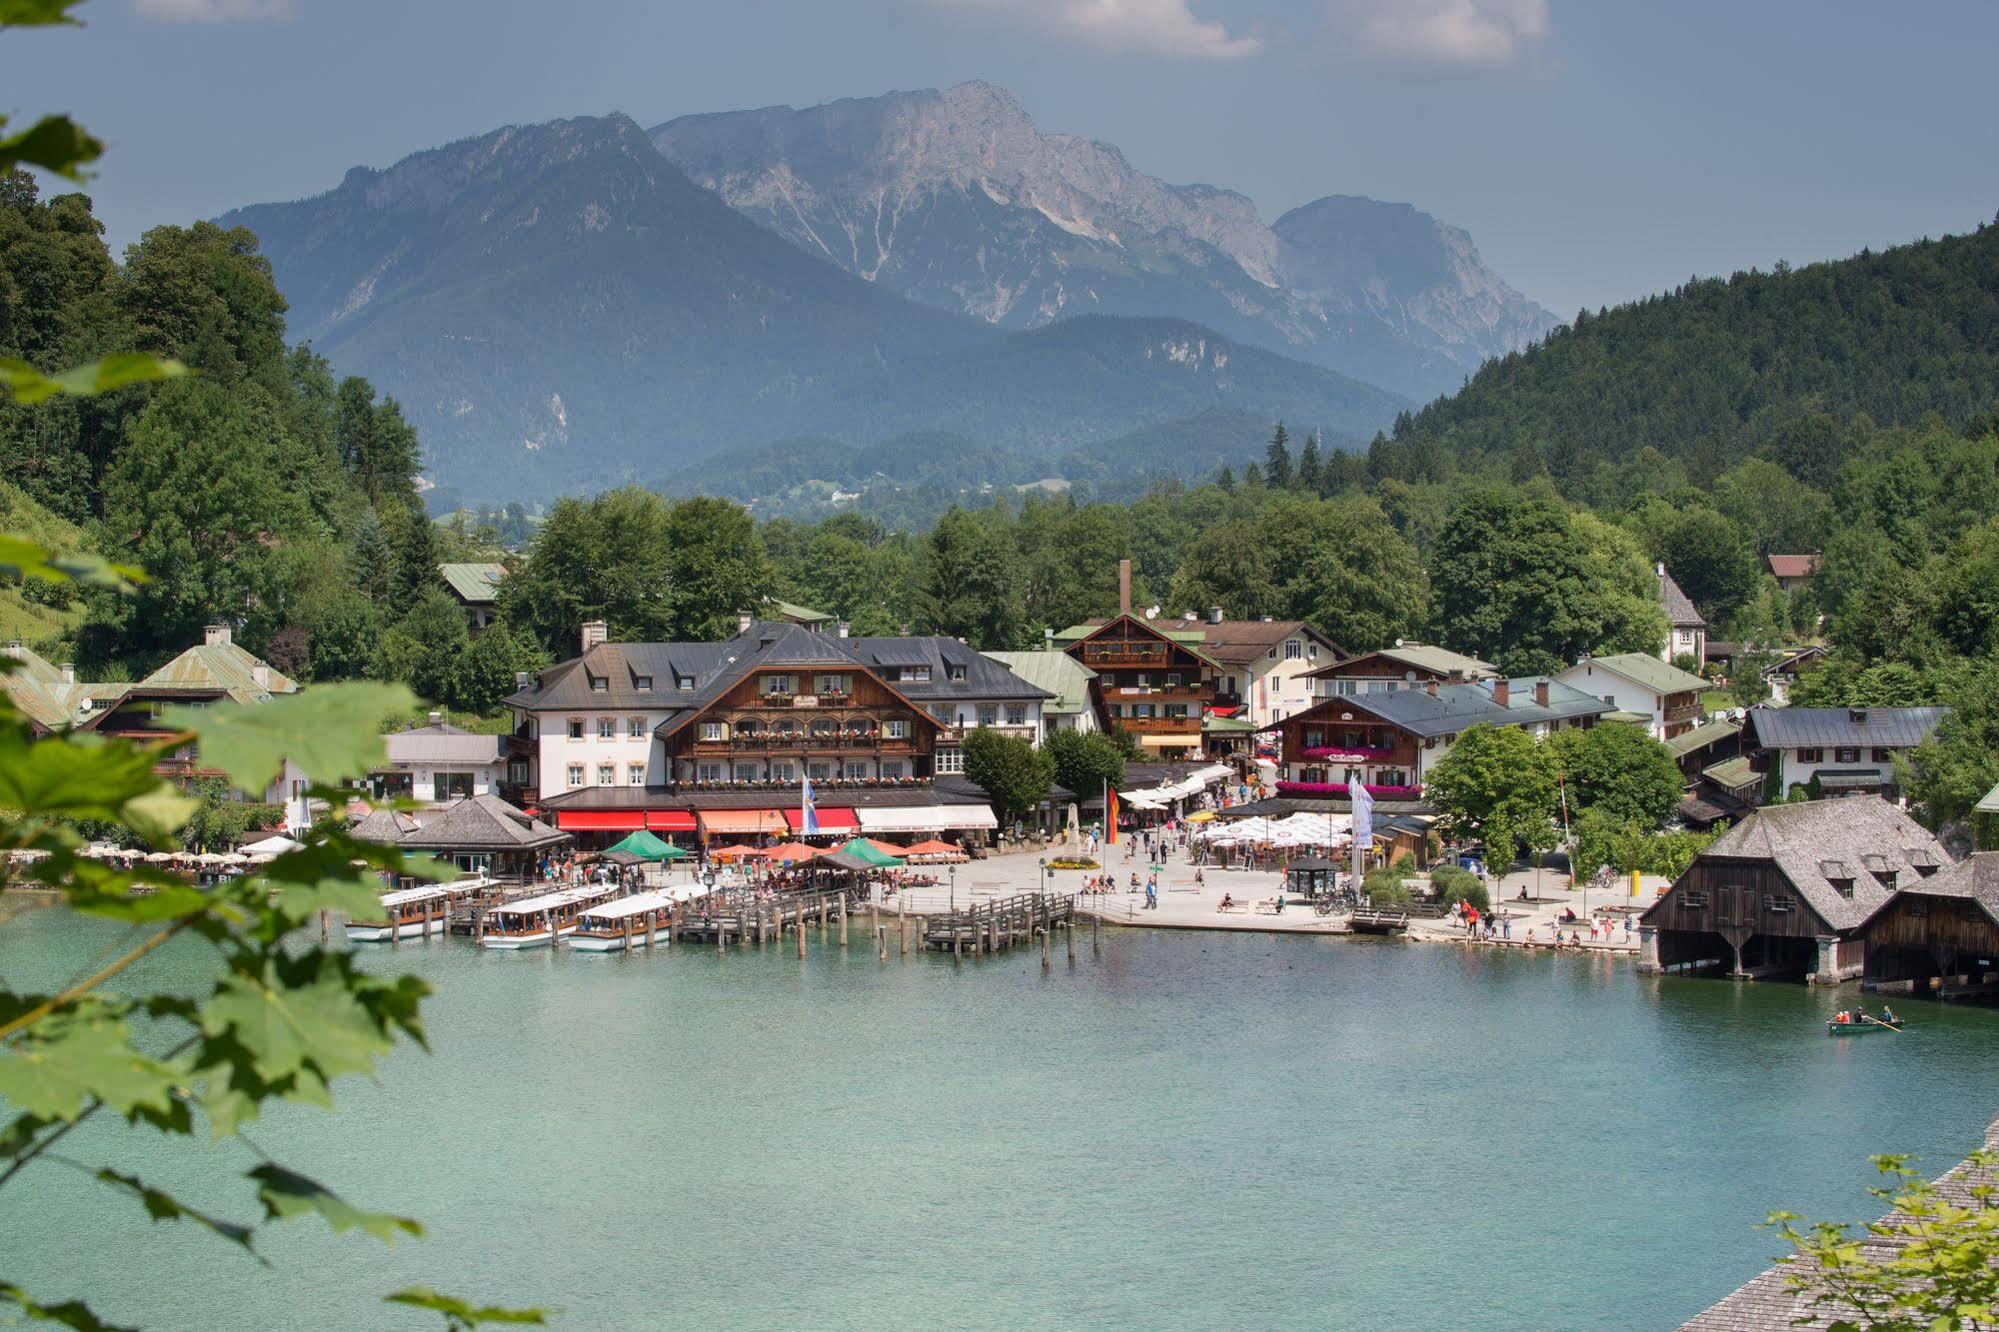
215,670
1686,629
480,834
1721,782
721,737
1148,680
1844,751
476,587
440,763
1668,698
1071,705
1403,666
1940,934
1783,674
1786,891
1390,741
1792,571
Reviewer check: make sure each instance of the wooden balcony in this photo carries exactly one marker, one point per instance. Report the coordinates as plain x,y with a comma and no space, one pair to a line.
1125,654
1159,725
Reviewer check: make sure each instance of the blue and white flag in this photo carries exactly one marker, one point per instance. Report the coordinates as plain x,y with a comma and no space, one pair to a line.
808,812
1363,827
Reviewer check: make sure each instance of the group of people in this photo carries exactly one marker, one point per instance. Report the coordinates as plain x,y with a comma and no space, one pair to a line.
1848,1017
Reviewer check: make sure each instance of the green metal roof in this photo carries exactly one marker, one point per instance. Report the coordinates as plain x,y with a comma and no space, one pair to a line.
1646,671
786,610
1732,774
1700,737
222,666
1634,718
1990,804
1227,725
1057,672
476,583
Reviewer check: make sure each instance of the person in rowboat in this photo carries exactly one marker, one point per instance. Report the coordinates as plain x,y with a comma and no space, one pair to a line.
1888,1015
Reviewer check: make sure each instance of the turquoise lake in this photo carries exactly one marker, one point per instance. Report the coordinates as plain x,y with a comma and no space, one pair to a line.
1193,1131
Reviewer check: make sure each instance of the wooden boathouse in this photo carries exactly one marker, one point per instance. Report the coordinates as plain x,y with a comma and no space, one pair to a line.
1940,935
1787,891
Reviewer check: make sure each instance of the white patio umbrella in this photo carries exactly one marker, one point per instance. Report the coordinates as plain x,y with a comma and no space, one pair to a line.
274,845
160,857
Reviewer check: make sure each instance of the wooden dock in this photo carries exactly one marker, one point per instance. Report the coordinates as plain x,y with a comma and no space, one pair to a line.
1001,924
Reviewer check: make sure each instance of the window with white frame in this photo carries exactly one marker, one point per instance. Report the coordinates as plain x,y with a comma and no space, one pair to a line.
957,672
784,772
708,772
951,759
892,770
635,728
575,728
988,714
635,774
854,770
642,682
895,728
777,684
576,774
745,772
607,774
711,730
1016,714
916,675
1293,649
607,728
819,772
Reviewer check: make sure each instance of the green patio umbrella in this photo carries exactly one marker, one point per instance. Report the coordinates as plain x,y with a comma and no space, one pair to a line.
862,849
643,844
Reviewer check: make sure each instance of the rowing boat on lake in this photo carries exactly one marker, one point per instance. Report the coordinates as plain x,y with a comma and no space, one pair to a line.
1860,1028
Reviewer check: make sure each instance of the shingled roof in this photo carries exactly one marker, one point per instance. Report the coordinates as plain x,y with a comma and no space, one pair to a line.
1680,612
481,823
1976,878
1456,707
1815,841
1832,728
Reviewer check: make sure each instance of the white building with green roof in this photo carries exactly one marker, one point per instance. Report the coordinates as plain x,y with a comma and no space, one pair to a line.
1639,683
1072,708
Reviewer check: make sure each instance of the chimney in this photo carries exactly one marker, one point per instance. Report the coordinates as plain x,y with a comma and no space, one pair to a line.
436,718
1541,693
1124,587
842,628
521,679
1430,688
1502,692
1214,615
744,621
260,675
68,670
594,633
1660,568
216,635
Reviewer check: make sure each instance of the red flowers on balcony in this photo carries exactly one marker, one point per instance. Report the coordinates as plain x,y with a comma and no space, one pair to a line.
1339,791
1339,755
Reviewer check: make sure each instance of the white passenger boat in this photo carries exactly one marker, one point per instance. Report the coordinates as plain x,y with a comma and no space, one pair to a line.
536,922
413,913
628,922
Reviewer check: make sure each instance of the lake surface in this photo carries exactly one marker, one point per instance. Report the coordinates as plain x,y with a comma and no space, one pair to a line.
1193,1131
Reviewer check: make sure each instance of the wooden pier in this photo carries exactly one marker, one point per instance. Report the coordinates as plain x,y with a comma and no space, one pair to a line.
991,927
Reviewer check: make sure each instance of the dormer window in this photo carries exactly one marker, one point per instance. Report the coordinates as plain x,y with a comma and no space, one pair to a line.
642,682
683,682
1922,860
1839,874
600,684
1883,872
957,672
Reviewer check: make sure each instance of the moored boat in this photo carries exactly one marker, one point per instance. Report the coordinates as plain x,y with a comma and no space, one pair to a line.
628,922
413,913
535,922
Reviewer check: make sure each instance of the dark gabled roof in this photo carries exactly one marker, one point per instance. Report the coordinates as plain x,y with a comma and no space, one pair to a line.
1455,707
1245,642
481,823
984,677
1811,842
1888,728
1975,878
1183,636
1678,605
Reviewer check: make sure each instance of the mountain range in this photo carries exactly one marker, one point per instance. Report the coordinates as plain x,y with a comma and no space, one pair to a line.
956,200
562,306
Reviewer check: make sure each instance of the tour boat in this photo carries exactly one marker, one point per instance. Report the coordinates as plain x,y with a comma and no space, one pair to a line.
534,922
412,913
1860,1026
627,922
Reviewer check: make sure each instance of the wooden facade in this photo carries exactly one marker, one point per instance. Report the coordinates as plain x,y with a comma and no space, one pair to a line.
1334,743
826,721
1146,682
1937,943
1741,913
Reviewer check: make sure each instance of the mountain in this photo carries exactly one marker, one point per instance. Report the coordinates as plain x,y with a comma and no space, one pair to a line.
559,307
956,200
1720,368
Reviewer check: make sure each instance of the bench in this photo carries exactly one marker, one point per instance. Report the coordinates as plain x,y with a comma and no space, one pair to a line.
1228,908
1268,907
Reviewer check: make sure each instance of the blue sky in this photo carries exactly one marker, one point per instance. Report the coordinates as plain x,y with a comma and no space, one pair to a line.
1596,150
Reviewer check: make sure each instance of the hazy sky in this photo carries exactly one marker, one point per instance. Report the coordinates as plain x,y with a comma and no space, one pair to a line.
1595,149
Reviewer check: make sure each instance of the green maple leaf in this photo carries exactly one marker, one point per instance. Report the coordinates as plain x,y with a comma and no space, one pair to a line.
331,731
461,1313
287,1195
27,384
285,1026
65,1062
303,900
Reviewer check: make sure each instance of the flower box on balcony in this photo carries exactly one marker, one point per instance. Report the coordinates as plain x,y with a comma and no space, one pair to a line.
1336,754
1339,791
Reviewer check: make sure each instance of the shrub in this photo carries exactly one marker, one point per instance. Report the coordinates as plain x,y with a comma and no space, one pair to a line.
1386,886
1459,885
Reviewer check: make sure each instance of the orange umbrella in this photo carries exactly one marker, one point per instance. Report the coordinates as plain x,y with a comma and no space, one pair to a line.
735,853
791,851
886,848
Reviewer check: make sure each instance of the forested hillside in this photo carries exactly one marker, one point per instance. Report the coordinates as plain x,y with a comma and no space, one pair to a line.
1715,370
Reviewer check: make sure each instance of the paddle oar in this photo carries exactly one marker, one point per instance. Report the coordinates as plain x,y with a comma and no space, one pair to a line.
1879,1023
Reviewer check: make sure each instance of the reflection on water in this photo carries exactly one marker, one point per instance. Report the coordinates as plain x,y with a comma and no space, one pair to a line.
1194,1131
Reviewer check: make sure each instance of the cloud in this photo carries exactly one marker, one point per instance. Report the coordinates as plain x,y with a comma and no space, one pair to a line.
1166,28
213,11
1465,35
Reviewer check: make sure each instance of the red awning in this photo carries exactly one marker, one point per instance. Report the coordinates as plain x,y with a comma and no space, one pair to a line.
741,821
600,820
670,820
830,820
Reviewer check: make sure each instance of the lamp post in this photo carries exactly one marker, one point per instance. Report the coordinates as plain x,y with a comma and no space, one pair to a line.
954,889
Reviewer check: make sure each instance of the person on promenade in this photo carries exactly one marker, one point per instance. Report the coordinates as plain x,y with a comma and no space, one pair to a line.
1199,879
1506,924
1228,900
1134,881
1151,896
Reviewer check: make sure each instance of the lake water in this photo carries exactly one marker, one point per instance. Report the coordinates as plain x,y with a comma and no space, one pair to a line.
1194,1131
